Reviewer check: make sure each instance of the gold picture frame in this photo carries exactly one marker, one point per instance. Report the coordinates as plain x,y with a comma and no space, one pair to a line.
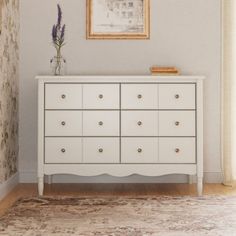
118,19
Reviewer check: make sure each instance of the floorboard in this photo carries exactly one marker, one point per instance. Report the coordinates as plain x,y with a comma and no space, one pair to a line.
30,190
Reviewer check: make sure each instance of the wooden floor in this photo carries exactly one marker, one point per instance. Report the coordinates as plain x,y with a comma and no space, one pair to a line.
30,190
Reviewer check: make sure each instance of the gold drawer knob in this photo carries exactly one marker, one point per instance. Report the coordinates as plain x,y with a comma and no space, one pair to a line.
100,96
140,123
63,123
63,150
100,150
177,96
100,123
177,150
177,123
63,96
140,150
140,96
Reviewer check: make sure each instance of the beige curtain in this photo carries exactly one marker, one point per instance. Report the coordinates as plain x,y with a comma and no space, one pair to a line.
1,5
229,91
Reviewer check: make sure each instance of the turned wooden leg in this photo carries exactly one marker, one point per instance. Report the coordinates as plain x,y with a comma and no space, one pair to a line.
199,186
49,179
40,185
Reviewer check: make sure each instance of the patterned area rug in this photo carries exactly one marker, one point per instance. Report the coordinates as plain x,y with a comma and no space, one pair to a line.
121,216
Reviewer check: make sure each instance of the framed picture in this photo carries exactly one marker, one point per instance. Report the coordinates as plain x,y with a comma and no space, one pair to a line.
118,19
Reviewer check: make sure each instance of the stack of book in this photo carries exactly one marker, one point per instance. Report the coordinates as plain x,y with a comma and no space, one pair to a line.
157,70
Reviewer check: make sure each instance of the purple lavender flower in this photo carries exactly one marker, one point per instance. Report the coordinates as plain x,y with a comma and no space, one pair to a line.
63,32
59,16
54,33
58,32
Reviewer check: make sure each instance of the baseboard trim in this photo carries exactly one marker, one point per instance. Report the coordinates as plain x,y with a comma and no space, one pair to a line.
8,185
209,177
213,177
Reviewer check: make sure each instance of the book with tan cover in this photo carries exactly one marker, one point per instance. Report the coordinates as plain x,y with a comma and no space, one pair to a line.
156,70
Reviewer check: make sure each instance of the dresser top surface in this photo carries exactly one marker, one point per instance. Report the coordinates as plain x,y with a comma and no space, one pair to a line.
119,78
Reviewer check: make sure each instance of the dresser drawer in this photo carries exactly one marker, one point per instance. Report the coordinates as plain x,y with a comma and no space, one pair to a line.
139,123
101,150
177,123
101,96
101,123
139,150
63,123
177,150
63,150
139,96
63,96
176,96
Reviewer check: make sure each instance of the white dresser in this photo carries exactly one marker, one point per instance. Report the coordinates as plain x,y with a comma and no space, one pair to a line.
120,125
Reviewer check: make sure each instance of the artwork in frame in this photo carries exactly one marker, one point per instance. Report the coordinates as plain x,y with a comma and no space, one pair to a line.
118,19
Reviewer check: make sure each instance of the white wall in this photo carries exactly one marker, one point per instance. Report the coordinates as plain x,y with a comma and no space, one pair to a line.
184,33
